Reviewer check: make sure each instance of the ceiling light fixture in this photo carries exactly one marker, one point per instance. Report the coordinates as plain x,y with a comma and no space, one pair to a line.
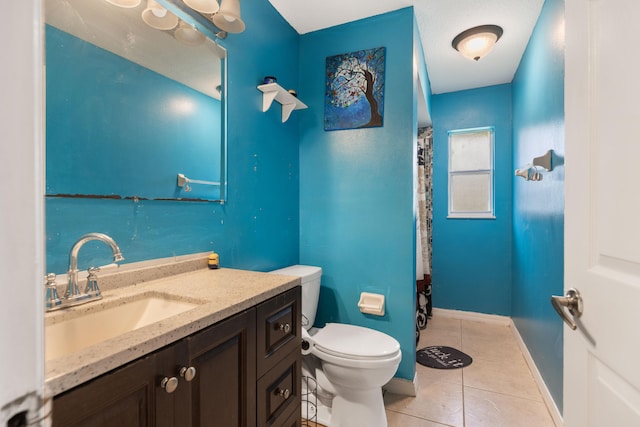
477,42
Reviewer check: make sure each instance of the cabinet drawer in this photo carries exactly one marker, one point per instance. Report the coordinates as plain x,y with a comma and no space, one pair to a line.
278,332
294,420
279,391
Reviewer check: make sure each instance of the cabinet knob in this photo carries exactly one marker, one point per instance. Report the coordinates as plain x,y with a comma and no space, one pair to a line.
285,327
169,384
283,393
188,373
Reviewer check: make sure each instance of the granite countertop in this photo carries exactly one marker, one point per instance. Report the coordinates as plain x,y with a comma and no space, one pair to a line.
219,294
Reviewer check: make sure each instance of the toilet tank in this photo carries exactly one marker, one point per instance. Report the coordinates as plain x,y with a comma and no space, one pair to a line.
310,284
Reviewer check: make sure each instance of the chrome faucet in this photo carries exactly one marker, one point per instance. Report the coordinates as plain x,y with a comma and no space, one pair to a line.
72,292
72,295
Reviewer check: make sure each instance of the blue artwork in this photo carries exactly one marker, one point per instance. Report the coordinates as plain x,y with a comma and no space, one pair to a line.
354,91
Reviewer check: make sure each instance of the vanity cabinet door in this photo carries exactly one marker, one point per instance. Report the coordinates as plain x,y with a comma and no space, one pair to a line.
122,398
131,396
172,390
223,392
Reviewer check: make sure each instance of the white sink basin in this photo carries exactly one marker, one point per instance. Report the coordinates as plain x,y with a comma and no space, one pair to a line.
94,326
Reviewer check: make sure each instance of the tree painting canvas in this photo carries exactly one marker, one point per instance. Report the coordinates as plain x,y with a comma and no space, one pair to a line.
354,91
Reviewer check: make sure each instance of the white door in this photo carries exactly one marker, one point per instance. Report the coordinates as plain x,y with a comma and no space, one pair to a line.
602,215
21,212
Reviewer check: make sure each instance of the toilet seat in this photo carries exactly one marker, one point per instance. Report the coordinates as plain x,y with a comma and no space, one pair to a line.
355,343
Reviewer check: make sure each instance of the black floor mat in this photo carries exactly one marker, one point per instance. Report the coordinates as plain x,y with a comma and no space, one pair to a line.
441,357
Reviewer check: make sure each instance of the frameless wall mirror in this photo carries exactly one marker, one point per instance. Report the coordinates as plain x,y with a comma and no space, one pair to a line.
135,96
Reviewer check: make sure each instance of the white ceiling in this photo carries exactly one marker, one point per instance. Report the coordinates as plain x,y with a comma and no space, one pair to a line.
439,21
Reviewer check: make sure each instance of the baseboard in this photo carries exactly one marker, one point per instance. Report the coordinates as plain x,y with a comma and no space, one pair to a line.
544,391
507,321
469,315
403,386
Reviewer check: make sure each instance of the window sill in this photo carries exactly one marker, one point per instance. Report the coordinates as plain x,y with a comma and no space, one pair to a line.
471,216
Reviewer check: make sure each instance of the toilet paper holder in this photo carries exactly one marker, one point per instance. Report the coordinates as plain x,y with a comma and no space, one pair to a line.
371,303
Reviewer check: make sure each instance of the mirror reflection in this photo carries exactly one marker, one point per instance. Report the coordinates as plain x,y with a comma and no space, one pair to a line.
132,102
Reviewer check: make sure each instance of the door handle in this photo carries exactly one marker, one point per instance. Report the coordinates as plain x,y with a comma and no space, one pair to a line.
573,302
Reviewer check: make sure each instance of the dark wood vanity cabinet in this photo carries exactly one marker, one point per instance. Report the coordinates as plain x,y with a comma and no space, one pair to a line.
124,398
247,373
223,390
279,359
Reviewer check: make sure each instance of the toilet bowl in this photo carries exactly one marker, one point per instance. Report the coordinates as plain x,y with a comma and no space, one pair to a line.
354,360
357,361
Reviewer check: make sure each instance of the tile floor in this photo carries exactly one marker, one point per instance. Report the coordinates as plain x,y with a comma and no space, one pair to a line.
496,390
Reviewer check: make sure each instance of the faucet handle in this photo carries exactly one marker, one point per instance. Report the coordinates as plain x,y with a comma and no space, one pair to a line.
92,289
52,300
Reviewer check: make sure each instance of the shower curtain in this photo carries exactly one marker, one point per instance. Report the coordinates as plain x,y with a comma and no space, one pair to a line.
425,171
423,228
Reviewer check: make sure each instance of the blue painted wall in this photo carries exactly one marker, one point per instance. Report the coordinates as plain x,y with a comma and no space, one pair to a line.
472,257
357,217
420,63
538,217
258,227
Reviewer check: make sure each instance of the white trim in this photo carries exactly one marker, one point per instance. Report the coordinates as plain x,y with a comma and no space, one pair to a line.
471,216
507,321
402,386
544,391
473,316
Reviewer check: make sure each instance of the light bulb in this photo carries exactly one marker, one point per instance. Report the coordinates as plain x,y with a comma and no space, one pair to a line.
159,12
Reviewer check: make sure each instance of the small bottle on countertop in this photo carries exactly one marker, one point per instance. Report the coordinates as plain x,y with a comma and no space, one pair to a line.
213,262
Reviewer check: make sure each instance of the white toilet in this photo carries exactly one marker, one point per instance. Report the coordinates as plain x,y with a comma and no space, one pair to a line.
354,362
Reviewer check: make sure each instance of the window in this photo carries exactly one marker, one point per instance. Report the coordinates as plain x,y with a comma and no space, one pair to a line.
471,173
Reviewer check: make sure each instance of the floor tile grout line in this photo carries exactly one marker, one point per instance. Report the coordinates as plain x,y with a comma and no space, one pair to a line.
506,394
464,421
419,417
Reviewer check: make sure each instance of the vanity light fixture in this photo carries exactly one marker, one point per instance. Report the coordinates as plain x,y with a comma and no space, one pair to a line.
188,35
228,17
225,16
158,17
203,6
477,42
125,3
